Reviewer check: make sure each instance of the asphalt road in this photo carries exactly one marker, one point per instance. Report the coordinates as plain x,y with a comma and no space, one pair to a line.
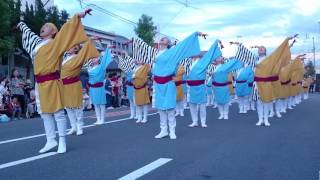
227,149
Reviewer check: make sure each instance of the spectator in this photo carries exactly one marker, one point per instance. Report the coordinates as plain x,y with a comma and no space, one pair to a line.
16,108
17,88
107,86
31,108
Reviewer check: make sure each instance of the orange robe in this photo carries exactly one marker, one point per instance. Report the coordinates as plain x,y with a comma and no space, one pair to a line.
48,60
297,72
140,80
285,81
179,86
270,67
72,92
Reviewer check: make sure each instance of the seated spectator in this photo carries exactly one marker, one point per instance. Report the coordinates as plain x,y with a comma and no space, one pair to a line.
31,107
16,108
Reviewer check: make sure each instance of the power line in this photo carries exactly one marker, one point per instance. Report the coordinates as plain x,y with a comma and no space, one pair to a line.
109,13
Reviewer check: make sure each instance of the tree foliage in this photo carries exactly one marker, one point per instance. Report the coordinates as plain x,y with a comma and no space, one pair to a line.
146,29
34,16
310,70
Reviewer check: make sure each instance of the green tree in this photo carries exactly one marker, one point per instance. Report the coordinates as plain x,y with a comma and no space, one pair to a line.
310,70
146,29
10,15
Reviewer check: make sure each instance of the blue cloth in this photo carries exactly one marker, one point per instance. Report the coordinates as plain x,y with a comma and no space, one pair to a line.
97,74
184,85
198,72
250,80
166,64
242,89
130,89
209,86
220,75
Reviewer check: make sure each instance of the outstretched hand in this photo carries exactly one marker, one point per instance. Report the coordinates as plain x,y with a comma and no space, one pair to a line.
231,43
295,36
203,35
84,13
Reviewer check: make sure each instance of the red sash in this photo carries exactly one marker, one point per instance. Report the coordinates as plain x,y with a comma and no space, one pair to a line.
70,80
178,83
47,77
250,84
219,84
96,85
195,82
286,82
162,79
266,79
143,86
239,81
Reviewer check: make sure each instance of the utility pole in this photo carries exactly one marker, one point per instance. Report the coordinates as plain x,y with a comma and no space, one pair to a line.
314,53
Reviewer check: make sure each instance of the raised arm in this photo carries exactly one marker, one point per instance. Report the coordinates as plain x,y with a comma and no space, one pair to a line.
29,39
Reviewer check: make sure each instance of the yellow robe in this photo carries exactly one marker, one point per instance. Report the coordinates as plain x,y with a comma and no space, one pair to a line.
72,93
141,79
270,67
297,72
179,88
306,84
48,60
230,86
284,78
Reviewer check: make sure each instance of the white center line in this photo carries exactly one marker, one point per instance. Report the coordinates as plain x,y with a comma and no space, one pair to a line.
145,169
40,135
29,159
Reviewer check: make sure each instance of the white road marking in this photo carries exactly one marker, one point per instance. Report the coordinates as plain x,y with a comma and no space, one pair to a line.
29,159
145,169
40,135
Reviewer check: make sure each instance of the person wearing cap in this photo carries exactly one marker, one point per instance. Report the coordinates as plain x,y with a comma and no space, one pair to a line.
141,91
165,66
72,96
97,72
209,90
221,86
46,52
196,82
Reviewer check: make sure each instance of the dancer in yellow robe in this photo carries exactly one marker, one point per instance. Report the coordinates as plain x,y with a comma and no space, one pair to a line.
72,89
178,79
46,52
141,92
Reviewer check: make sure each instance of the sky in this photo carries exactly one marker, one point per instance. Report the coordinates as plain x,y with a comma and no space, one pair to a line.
252,22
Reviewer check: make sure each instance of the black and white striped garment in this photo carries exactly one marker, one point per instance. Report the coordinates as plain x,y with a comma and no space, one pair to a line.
246,56
29,39
126,64
186,63
141,51
249,58
211,69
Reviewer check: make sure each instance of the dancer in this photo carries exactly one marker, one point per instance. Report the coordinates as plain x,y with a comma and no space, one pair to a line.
46,53
72,95
266,79
242,89
180,91
164,68
97,72
220,83
141,92
196,81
